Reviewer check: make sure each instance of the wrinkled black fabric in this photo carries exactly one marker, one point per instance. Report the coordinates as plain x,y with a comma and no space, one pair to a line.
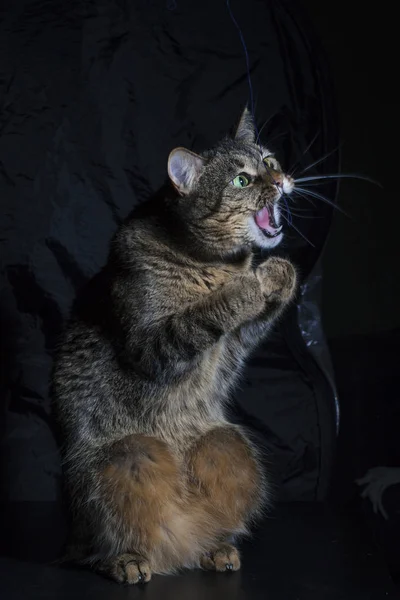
94,95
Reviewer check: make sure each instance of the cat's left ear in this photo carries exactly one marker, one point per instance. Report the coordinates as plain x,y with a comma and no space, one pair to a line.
184,168
246,131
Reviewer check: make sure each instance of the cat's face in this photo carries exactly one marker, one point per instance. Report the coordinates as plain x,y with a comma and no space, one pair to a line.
230,195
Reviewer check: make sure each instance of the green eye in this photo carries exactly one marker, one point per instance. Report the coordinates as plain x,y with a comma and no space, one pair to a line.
240,181
269,162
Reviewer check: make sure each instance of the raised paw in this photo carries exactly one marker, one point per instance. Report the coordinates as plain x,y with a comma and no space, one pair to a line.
128,568
278,278
224,558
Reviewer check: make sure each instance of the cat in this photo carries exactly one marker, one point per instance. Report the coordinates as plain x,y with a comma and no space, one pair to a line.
157,476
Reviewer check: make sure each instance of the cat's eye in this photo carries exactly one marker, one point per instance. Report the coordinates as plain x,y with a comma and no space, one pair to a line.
269,162
241,181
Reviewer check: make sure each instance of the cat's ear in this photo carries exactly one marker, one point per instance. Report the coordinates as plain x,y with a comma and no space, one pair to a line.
184,168
246,131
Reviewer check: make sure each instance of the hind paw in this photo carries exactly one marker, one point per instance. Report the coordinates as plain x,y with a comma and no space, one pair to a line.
224,558
128,568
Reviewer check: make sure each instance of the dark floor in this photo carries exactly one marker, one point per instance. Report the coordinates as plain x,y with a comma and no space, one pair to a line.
368,383
302,552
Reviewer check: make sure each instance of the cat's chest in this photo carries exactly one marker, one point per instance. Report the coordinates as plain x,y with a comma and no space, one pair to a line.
206,279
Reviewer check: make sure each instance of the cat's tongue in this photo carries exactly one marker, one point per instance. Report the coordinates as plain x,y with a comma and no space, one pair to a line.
263,219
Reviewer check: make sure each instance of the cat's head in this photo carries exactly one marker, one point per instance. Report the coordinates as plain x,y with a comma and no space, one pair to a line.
230,195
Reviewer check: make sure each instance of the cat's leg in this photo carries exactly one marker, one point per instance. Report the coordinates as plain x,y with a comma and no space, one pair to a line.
278,278
135,485
179,338
224,470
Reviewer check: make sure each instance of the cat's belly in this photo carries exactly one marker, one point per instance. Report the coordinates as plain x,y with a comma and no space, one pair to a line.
196,404
206,385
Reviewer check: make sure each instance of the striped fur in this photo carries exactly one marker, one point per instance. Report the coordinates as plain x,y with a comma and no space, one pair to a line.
157,477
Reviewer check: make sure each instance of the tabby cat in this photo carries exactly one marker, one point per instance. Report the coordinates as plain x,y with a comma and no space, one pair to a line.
158,478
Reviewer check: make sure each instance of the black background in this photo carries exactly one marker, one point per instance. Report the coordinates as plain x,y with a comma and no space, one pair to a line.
361,291
361,282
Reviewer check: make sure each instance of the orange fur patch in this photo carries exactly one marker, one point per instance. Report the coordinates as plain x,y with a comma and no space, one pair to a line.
171,519
225,472
141,480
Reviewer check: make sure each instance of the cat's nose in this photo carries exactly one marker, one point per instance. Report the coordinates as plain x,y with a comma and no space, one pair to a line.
288,184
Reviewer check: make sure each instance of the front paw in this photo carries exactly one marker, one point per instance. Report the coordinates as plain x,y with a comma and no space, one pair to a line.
277,277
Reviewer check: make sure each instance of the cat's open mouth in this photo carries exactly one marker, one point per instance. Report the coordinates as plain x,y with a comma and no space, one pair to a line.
265,219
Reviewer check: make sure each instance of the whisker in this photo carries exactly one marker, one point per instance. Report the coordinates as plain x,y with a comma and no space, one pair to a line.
246,56
264,124
292,212
300,209
337,176
287,208
317,183
296,164
296,191
298,231
327,155
324,199
277,136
